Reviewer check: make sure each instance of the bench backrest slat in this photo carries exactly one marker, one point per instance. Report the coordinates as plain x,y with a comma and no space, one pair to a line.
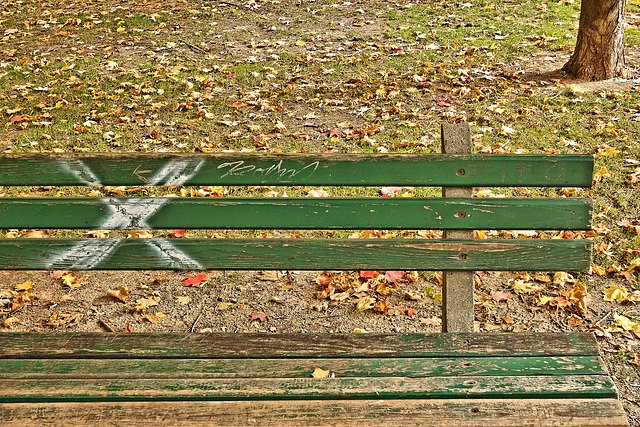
294,254
297,213
464,170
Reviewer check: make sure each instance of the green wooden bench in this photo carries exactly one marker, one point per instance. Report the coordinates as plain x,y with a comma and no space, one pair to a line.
453,378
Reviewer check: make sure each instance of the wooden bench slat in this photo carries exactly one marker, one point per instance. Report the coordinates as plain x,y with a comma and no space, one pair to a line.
295,254
82,345
297,368
485,387
296,213
365,413
297,169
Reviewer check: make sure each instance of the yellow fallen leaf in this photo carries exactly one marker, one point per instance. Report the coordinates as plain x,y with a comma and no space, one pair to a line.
365,303
10,322
71,281
321,373
521,287
153,318
601,174
615,293
24,286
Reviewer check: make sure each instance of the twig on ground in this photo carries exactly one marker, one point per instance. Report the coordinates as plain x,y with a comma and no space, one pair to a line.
193,327
192,47
104,325
603,318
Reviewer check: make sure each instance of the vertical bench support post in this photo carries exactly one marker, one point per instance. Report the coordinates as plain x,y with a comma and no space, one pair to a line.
457,286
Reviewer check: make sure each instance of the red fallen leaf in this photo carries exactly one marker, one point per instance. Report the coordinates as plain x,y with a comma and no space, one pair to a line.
501,296
232,74
17,118
237,104
443,101
368,274
262,317
198,280
395,276
323,280
335,133
507,319
178,233
176,9
390,191
411,312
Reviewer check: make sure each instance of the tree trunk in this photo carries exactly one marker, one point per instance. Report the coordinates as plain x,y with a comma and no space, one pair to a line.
599,52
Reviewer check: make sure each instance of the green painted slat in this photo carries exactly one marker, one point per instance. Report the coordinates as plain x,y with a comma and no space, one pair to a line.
292,213
294,254
83,345
297,368
297,169
490,387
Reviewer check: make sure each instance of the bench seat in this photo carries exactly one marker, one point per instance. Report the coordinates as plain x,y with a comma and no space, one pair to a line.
266,379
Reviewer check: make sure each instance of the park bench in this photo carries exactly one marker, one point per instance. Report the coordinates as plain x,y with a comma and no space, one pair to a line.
452,378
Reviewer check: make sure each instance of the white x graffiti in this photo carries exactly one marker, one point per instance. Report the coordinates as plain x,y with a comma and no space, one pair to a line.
127,214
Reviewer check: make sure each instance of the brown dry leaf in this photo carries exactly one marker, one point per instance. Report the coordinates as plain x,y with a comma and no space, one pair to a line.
97,234
120,293
413,295
520,287
24,286
321,373
562,277
140,234
129,328
10,322
578,296
143,304
270,276
222,306
183,300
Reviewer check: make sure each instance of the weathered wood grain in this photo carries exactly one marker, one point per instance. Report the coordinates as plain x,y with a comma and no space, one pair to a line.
296,213
122,389
264,346
61,369
384,413
457,286
294,254
297,169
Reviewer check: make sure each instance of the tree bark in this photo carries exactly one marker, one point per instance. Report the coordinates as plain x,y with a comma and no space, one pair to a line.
599,52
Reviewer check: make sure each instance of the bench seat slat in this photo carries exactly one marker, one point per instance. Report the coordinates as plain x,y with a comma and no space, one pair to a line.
486,387
63,369
313,413
295,254
448,170
296,213
83,345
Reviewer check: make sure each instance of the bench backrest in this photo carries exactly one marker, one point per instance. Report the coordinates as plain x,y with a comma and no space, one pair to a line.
296,213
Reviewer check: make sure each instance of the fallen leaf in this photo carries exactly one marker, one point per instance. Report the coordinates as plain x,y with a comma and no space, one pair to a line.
615,293
262,317
153,318
501,296
411,312
395,276
129,328
183,300
178,233
71,281
198,280
24,286
368,274
365,303
120,293
270,276
10,322
321,373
